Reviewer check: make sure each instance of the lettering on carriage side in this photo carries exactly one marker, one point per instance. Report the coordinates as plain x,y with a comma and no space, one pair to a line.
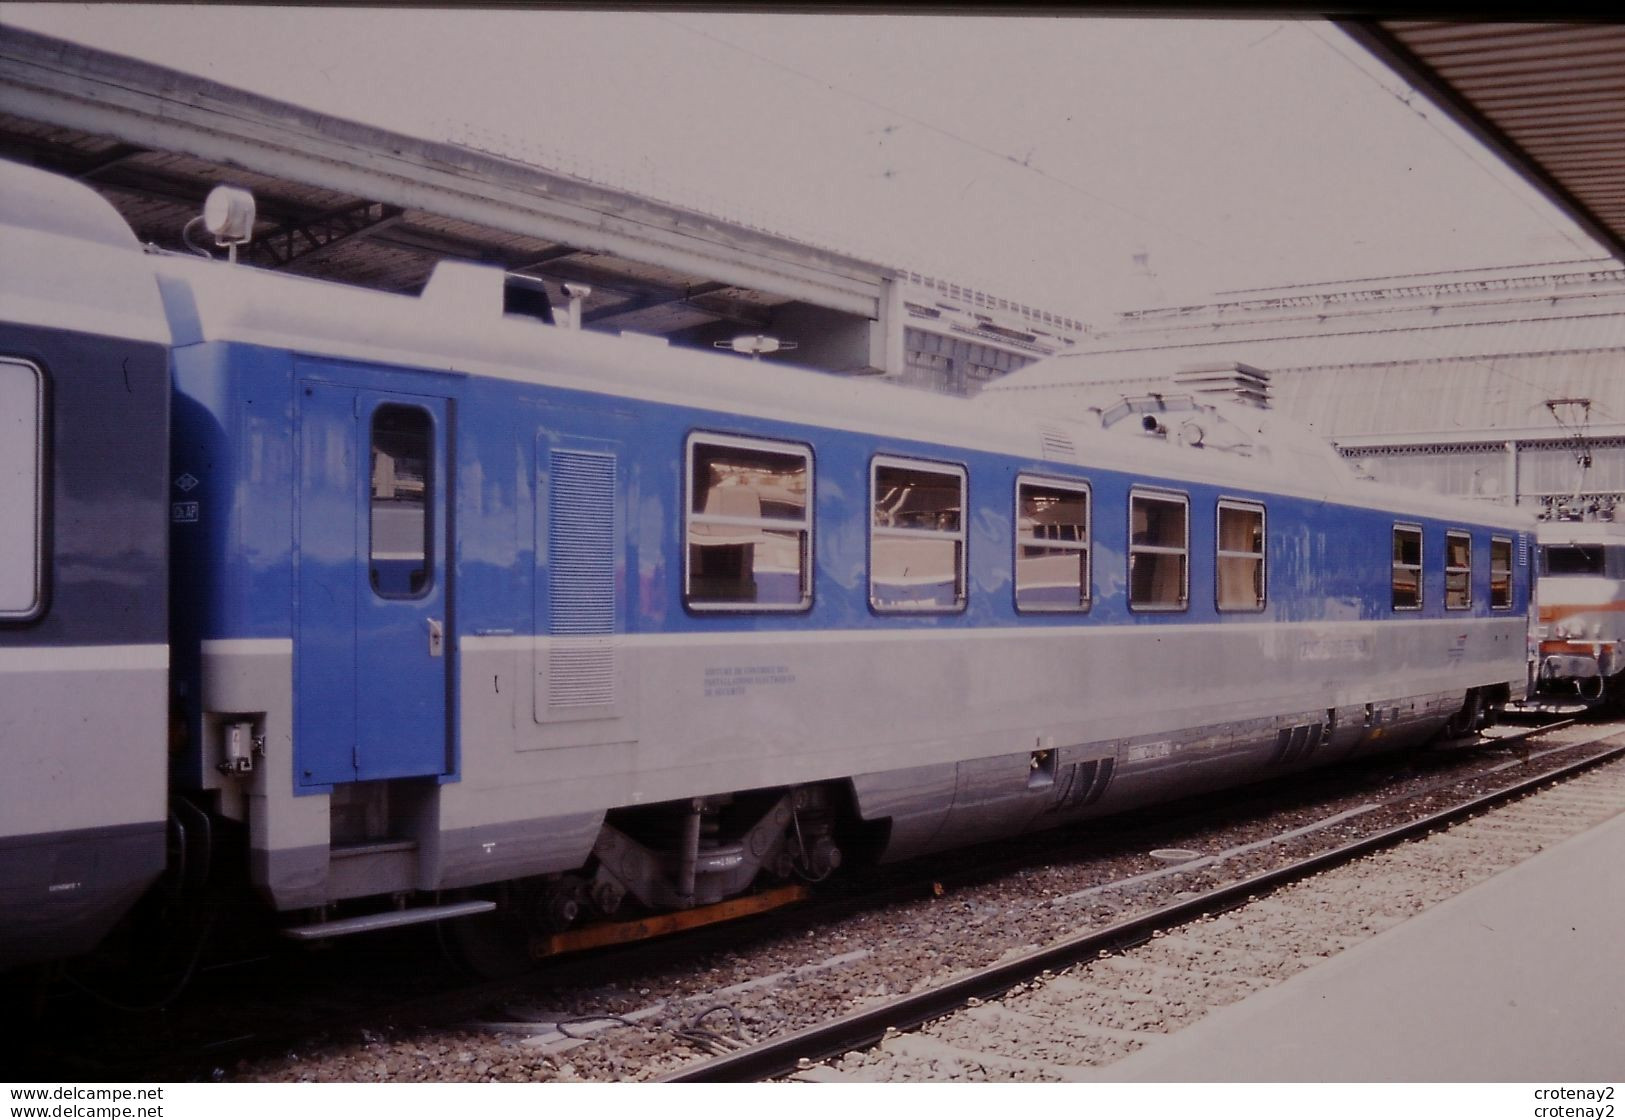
1458,648
181,512
736,680
1334,649
1139,752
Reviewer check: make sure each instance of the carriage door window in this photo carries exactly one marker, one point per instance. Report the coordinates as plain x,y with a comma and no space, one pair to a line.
916,537
1500,574
1407,568
1159,547
749,525
21,490
1458,571
1052,546
399,557
1241,557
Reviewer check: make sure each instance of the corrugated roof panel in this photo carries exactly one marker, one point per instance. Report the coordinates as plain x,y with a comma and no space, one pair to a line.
1506,395
1469,359
1278,351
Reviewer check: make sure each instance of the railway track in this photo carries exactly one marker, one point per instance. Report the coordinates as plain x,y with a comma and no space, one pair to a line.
1072,1008
645,1011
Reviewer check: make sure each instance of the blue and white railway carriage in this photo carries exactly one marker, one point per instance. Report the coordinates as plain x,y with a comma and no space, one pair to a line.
473,598
84,406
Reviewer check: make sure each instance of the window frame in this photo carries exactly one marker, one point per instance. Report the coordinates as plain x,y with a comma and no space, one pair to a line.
1395,566
1183,500
961,537
35,609
770,446
1511,562
1543,561
1452,569
1245,505
430,465
1085,547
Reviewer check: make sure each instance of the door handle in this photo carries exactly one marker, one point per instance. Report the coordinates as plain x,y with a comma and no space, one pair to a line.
436,637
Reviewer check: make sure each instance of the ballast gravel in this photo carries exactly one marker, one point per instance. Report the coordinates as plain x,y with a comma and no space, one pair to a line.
646,1026
1070,1026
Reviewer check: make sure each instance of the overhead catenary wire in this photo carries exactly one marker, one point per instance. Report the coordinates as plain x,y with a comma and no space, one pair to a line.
1023,162
1408,100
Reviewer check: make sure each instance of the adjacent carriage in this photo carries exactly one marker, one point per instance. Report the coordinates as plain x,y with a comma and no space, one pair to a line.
84,658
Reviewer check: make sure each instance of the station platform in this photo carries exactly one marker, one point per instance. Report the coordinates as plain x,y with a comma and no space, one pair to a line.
1518,979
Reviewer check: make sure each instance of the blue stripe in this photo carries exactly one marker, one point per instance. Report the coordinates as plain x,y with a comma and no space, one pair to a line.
1325,562
107,492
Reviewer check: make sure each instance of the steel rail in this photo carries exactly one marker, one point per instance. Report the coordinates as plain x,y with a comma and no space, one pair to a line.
199,1057
780,1056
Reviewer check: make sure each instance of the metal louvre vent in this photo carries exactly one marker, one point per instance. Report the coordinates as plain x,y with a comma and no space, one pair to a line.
581,676
581,579
1294,744
1057,444
1085,783
581,544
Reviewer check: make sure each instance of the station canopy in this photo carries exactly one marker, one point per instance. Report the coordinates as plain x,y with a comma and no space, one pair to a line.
1548,98
348,202
355,204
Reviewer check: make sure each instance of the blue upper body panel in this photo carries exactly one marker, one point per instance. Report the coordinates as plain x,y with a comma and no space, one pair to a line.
236,434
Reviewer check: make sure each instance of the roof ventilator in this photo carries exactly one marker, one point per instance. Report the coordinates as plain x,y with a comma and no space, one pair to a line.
1056,444
1233,381
1190,422
526,295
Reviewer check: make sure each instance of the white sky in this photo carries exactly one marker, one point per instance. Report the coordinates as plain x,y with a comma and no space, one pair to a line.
1030,156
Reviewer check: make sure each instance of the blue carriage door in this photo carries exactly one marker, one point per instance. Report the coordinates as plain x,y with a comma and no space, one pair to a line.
373,649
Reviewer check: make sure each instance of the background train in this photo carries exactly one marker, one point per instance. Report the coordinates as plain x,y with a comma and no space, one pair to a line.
1580,631
395,609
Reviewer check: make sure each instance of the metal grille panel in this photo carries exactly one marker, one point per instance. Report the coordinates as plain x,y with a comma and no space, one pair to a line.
581,543
1057,444
581,579
581,676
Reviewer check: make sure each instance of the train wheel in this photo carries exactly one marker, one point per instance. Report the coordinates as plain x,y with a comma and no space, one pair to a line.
1608,696
489,946
1470,718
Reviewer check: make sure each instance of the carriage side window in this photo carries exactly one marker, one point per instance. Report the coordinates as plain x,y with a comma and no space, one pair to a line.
1159,548
1407,568
1458,571
1500,574
748,532
1241,556
401,526
916,536
1052,546
22,495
